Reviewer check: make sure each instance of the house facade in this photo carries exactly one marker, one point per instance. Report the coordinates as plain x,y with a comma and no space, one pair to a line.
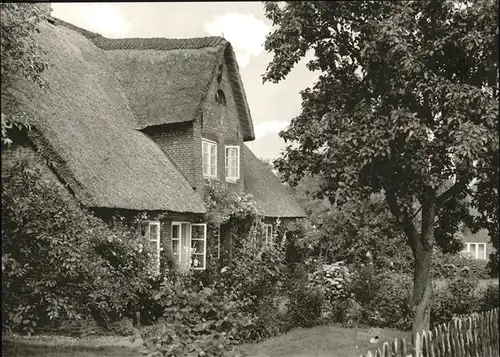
477,245
141,125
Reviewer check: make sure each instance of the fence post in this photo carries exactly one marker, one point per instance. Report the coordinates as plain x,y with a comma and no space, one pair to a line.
404,352
417,345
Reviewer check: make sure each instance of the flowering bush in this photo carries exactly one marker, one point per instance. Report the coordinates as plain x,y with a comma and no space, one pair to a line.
332,280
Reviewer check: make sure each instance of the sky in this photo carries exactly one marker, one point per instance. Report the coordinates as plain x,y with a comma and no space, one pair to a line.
242,23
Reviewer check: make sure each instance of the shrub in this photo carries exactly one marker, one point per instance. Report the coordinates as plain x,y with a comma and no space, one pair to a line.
391,305
445,266
382,299
305,306
489,298
332,280
257,275
123,327
58,261
198,321
458,297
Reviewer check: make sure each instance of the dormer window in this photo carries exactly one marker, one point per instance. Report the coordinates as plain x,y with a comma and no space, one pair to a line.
220,97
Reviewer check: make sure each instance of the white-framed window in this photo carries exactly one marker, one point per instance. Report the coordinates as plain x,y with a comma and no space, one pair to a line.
189,245
209,154
477,250
176,243
232,162
152,232
198,254
268,234
216,254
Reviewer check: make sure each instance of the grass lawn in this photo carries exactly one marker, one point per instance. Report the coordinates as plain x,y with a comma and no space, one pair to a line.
17,348
322,341
69,347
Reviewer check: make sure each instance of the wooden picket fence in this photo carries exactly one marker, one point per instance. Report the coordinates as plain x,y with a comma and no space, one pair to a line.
472,336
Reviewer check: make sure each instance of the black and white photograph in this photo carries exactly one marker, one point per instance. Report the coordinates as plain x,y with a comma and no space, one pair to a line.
250,179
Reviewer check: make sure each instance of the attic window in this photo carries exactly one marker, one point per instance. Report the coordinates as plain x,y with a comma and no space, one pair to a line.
220,97
219,73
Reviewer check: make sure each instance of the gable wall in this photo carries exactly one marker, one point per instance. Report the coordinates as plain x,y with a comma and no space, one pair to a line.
176,141
221,124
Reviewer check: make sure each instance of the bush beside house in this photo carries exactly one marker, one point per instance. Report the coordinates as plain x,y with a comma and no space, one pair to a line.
60,262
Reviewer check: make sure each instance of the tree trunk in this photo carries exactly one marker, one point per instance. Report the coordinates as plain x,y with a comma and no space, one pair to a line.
422,289
421,246
422,284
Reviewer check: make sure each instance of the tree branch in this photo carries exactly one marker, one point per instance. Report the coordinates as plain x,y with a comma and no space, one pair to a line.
452,191
402,219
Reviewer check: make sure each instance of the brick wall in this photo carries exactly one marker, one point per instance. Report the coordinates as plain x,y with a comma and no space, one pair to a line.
176,141
14,153
221,123
23,150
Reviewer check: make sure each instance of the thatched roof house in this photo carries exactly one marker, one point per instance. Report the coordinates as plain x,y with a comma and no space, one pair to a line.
140,124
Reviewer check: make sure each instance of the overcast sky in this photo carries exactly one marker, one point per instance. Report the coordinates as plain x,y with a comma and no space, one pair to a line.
242,23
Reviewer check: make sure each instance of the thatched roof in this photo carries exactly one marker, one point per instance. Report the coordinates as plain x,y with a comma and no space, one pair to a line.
166,80
85,122
266,188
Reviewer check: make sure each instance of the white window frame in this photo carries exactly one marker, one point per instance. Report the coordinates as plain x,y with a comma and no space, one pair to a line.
204,240
178,239
190,238
209,146
238,163
217,242
268,237
475,252
157,242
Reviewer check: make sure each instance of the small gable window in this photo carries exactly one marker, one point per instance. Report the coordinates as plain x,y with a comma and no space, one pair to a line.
219,73
220,97
232,163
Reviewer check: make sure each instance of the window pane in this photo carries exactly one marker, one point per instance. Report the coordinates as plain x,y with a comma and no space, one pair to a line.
198,232
175,231
482,251
197,246
472,249
176,258
175,246
153,231
198,261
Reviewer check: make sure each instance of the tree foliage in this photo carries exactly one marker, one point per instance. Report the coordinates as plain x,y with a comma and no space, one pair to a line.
20,56
406,102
